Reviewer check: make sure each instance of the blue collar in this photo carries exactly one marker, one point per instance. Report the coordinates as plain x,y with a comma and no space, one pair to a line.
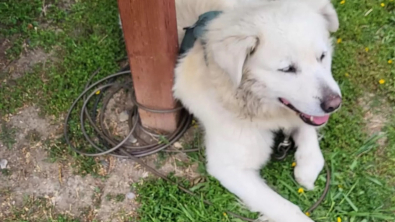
196,31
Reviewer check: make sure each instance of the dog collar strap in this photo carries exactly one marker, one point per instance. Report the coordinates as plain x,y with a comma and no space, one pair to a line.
197,30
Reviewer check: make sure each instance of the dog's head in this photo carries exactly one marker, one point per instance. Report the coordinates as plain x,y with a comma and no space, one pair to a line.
285,48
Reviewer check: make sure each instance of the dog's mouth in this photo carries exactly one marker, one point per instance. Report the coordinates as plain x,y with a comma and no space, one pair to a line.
309,119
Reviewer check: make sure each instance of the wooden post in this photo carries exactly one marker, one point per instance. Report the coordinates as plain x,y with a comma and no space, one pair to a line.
150,32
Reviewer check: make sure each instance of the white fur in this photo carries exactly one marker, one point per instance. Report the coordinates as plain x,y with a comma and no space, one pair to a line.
235,95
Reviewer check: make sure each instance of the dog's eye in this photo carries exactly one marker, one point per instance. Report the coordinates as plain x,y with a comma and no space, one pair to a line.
322,57
289,69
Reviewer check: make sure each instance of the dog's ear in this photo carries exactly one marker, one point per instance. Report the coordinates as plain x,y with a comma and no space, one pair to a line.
327,10
231,53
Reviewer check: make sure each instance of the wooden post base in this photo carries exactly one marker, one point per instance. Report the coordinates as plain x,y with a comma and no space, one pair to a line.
150,32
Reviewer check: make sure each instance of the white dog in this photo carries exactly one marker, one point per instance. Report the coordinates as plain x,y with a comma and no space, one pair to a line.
260,66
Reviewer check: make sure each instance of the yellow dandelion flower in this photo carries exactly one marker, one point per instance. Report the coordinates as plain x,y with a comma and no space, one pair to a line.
347,75
366,49
390,61
301,190
339,219
294,164
98,92
382,4
381,81
339,40
225,215
342,2
307,214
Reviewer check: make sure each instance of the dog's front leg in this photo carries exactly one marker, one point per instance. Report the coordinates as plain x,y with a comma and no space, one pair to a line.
309,158
249,187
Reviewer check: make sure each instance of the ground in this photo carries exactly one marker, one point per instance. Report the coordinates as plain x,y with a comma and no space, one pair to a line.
48,50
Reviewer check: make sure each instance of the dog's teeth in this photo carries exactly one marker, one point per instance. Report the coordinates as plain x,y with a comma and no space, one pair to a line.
311,118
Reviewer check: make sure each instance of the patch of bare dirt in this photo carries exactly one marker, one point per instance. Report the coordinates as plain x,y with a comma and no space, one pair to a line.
27,61
377,113
88,198
29,120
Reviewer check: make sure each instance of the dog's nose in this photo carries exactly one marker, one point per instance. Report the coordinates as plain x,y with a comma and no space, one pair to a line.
331,103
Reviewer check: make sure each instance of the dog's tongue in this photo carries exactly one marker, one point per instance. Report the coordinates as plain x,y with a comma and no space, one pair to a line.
286,102
318,120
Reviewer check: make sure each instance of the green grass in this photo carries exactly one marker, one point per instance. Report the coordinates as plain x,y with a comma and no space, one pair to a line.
85,36
7,135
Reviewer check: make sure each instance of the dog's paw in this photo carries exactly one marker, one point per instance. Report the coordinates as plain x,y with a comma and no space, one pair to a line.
308,168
